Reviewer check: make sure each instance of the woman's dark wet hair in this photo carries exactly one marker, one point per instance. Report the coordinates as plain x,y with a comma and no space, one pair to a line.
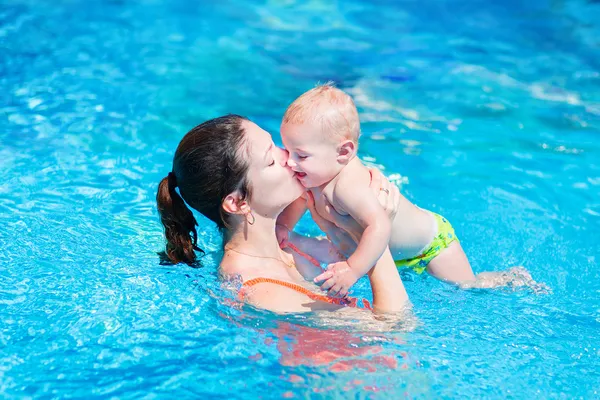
207,167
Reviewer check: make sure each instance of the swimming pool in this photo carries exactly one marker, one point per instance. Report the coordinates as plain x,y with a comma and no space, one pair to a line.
488,113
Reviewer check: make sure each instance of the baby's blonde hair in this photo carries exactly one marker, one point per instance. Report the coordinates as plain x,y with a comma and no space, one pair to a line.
330,106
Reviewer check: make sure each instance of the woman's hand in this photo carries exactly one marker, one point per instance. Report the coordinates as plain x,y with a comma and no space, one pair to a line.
283,235
386,192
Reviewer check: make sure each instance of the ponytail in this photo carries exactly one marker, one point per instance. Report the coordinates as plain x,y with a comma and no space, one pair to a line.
209,163
179,223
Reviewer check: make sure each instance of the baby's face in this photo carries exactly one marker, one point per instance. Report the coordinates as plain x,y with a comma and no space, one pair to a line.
312,153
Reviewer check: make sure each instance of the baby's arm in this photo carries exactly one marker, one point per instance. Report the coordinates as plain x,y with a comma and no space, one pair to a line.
363,206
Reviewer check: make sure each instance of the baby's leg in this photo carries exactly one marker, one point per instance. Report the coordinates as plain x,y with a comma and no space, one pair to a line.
451,265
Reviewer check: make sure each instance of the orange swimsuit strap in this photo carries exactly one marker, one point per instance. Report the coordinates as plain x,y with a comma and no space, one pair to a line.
352,302
310,258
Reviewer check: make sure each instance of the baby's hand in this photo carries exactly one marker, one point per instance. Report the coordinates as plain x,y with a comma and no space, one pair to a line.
283,235
338,278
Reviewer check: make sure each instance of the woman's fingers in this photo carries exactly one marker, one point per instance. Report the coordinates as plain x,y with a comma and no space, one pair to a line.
384,198
389,198
386,192
376,178
395,200
282,233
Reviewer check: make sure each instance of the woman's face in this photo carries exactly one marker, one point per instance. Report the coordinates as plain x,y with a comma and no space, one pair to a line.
273,184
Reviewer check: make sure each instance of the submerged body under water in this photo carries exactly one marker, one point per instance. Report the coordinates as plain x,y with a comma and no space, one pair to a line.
488,114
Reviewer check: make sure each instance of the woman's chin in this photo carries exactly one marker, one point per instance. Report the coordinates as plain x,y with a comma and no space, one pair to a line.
299,189
296,190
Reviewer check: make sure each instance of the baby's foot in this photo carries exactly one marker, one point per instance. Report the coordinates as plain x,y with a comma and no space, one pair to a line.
512,277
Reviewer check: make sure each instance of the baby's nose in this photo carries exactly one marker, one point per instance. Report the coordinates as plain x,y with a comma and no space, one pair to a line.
283,156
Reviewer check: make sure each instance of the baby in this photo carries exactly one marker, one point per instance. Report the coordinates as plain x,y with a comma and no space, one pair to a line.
320,130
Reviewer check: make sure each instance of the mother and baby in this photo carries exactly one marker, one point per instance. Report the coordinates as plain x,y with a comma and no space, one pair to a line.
230,170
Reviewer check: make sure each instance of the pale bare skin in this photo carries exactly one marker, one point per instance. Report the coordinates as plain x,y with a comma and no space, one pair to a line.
329,167
320,130
452,265
252,249
378,276
339,185
514,277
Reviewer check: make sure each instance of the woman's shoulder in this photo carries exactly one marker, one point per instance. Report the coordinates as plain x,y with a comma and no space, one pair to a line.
236,266
231,266
269,286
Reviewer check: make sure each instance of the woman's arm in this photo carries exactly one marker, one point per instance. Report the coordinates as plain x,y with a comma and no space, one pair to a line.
389,294
319,249
310,253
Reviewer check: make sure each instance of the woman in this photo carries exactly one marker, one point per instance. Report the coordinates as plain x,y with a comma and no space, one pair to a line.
230,170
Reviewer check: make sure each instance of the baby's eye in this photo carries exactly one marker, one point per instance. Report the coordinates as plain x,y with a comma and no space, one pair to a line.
272,163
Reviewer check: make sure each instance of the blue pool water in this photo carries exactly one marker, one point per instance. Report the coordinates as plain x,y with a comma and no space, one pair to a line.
487,112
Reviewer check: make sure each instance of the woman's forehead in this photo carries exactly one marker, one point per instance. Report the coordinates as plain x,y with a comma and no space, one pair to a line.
258,140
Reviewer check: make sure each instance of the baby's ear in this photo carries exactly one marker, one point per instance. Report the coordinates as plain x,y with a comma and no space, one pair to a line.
346,151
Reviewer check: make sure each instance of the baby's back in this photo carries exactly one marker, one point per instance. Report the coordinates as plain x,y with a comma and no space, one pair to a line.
412,230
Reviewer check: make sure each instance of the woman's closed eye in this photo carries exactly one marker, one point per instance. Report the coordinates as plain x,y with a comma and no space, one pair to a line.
302,157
